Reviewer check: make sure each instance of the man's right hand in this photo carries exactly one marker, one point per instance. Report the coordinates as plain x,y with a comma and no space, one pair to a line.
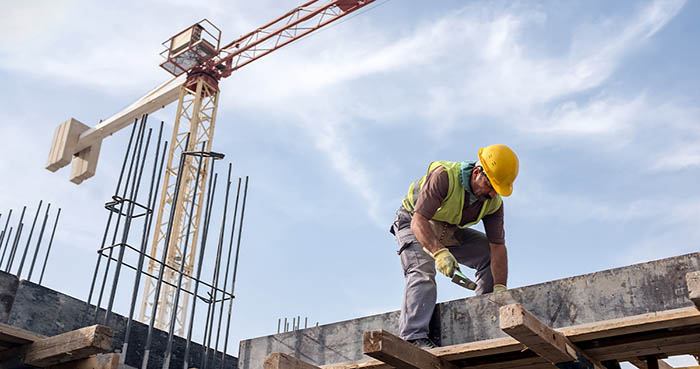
445,262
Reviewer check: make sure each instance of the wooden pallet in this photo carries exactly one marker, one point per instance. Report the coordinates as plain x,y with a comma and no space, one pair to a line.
76,349
642,340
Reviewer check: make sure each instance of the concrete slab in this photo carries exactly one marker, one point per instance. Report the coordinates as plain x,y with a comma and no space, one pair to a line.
616,293
8,289
44,311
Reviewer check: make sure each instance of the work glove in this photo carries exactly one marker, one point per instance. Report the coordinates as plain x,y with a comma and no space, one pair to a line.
499,287
445,262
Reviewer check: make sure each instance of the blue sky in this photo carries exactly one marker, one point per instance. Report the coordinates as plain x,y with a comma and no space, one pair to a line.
598,99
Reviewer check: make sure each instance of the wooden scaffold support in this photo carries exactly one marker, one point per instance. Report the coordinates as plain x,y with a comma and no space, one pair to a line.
643,340
77,349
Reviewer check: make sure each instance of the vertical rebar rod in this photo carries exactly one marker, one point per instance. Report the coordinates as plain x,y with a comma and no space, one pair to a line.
139,141
7,245
135,186
164,257
230,247
29,240
215,281
14,247
235,263
48,250
11,256
228,262
109,218
152,195
181,269
4,231
205,232
38,242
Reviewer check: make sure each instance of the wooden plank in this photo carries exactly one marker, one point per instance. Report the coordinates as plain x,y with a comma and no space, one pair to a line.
12,336
398,353
693,280
579,334
543,340
106,361
680,345
642,364
277,360
372,363
634,324
526,328
77,344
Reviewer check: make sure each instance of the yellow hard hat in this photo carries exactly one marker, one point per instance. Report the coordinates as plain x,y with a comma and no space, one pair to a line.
501,167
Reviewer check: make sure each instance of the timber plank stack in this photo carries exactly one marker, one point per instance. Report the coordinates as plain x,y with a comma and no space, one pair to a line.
643,340
78,349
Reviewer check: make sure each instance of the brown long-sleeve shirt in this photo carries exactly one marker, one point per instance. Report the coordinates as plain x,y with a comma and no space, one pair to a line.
435,190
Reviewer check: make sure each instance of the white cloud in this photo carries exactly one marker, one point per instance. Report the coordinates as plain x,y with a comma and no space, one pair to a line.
683,156
601,116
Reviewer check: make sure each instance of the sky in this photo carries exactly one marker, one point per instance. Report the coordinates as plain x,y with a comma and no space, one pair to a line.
598,99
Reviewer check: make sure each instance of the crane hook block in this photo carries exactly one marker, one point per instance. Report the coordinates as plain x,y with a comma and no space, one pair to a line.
63,146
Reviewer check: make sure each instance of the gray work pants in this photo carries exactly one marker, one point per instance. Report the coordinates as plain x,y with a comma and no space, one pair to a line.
420,293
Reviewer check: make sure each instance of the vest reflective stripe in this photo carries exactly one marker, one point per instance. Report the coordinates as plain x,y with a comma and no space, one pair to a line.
450,211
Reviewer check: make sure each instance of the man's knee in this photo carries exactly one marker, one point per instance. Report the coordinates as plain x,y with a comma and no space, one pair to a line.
417,264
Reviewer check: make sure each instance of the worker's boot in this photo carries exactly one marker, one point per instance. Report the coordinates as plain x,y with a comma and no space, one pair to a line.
424,343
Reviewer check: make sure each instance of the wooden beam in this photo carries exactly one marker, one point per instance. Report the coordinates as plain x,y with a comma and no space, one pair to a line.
503,352
10,335
693,280
681,345
642,364
398,353
106,361
543,340
277,360
77,344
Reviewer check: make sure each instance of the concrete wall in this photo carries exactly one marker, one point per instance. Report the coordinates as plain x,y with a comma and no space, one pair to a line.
44,311
616,293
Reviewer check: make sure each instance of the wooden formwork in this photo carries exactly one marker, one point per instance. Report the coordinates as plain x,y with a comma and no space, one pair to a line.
78,349
643,340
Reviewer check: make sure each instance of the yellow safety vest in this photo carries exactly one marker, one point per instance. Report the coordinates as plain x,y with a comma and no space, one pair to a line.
450,211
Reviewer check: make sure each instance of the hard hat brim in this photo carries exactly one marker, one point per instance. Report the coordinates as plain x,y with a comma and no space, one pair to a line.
503,190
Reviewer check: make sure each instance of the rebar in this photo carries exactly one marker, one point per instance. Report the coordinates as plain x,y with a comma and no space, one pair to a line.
4,231
230,247
14,247
207,218
144,238
135,186
38,243
228,261
48,250
29,240
181,271
109,218
137,148
215,282
11,256
166,245
7,244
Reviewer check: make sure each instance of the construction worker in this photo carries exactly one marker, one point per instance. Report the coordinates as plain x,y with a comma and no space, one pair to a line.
431,228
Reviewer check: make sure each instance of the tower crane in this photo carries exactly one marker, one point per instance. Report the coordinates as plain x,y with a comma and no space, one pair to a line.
197,62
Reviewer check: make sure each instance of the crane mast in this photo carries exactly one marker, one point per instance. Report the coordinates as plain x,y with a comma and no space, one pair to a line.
193,52
197,62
